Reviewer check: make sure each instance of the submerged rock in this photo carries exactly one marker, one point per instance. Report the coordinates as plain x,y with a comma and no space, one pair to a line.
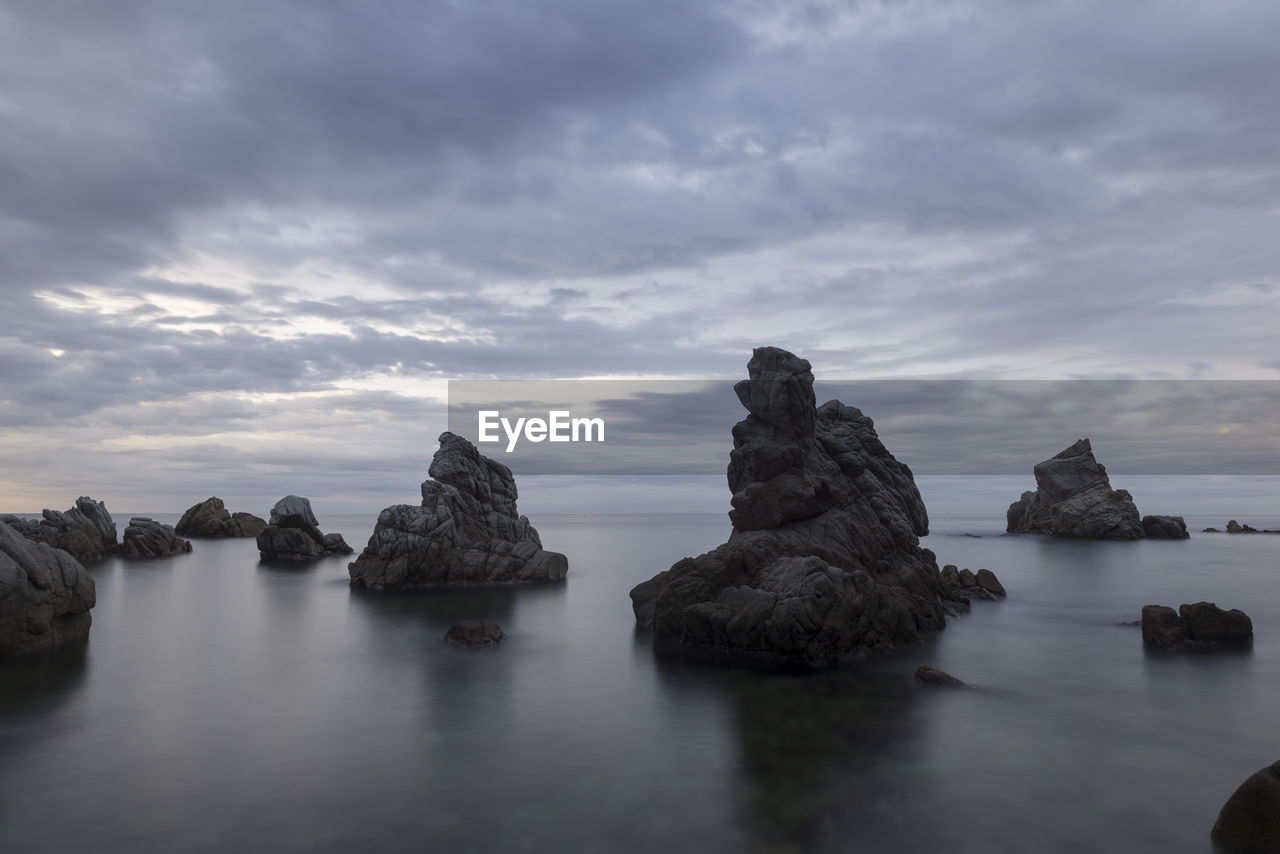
294,533
1250,819
1164,528
210,518
466,531
86,530
1074,498
475,634
145,537
45,594
824,561
1234,527
930,675
1197,624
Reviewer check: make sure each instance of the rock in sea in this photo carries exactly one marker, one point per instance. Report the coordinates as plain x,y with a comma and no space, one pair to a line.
1201,624
1164,528
936,676
86,531
466,531
294,533
1250,819
210,518
475,634
146,537
824,561
45,594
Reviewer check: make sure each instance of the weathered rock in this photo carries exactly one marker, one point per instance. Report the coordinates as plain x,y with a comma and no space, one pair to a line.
145,537
210,518
1234,527
86,530
958,586
1198,624
1164,528
1249,822
294,533
475,634
930,675
824,562
466,531
45,594
1074,498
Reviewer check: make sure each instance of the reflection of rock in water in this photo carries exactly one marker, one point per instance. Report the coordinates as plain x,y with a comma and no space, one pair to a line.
32,686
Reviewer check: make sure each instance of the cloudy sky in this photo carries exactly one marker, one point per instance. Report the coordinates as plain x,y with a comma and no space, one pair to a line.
243,245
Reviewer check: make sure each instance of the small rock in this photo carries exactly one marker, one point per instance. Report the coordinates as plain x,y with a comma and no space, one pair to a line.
294,533
1250,819
1165,528
987,580
210,518
1162,628
930,675
1197,624
1211,531
475,634
146,537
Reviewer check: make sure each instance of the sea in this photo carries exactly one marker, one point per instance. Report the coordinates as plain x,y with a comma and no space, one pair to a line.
226,704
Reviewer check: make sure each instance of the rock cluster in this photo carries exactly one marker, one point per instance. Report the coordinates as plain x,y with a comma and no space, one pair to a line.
145,537
1198,624
294,533
824,561
210,518
1074,498
466,531
1234,527
959,586
86,530
45,594
1250,819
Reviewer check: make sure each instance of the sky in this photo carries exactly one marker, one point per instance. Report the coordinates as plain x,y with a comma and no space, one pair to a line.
244,246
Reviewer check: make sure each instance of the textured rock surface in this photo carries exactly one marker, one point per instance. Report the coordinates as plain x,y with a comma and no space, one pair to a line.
1197,624
466,531
1074,498
824,561
930,675
1164,528
1250,819
475,634
294,533
145,537
210,518
86,530
45,594
959,586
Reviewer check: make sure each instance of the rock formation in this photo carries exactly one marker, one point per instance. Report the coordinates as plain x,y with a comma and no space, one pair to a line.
1198,624
824,561
466,531
1234,527
210,518
294,533
1074,498
959,586
45,594
936,676
475,634
145,537
1250,819
86,531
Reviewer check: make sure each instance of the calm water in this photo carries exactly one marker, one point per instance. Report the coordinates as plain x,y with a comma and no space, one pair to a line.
223,704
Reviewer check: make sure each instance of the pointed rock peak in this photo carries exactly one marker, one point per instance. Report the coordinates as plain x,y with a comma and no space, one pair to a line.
779,391
1081,448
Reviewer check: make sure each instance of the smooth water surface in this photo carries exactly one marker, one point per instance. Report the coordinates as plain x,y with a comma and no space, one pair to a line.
225,704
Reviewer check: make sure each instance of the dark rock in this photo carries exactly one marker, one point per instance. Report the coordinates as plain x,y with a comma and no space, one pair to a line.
86,531
145,537
1164,528
1250,819
988,582
1162,628
1074,498
824,562
1211,531
466,531
210,518
294,533
930,675
958,586
475,634
45,594
1234,527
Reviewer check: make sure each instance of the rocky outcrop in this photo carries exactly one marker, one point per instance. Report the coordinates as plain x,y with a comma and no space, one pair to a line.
959,586
824,562
1164,528
294,533
86,531
210,518
45,594
466,531
1074,498
475,634
937,677
145,537
1250,819
1234,527
1199,624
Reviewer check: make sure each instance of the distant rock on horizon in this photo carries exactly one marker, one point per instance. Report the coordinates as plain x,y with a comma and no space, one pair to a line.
1074,498
467,530
824,561
85,531
45,594
294,533
210,518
